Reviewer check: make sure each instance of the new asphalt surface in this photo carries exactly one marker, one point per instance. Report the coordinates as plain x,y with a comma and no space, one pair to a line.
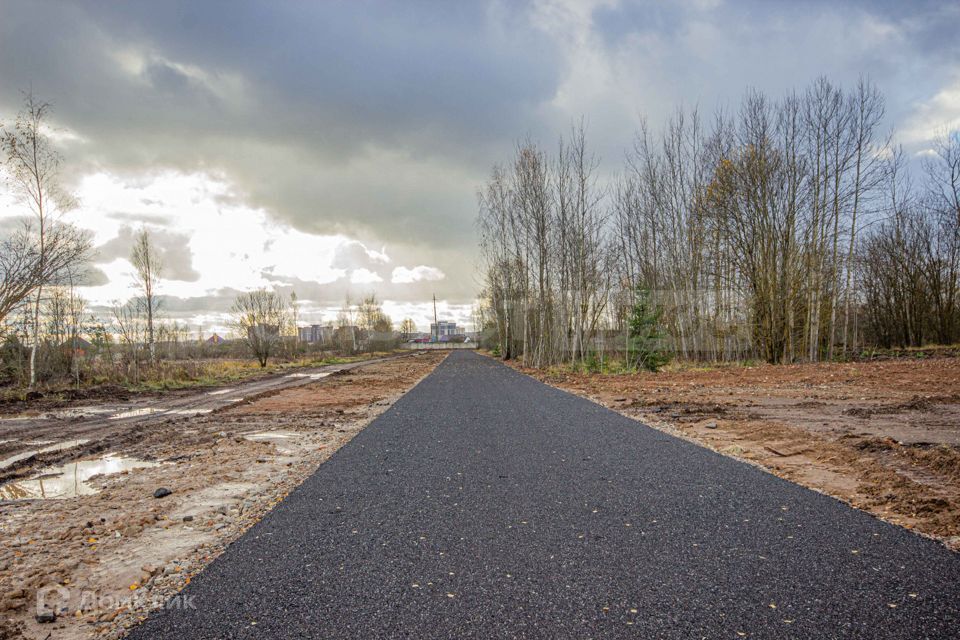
485,504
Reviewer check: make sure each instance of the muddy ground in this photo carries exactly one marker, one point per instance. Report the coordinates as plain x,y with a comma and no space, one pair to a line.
100,561
883,436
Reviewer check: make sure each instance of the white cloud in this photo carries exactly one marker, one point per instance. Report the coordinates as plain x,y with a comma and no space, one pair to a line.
232,245
364,276
939,113
421,273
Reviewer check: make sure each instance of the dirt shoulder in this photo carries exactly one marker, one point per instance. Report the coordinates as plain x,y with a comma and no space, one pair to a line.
171,378
102,560
883,436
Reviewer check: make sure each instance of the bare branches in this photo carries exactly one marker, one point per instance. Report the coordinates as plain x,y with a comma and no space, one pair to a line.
544,241
261,317
19,267
32,166
148,265
753,237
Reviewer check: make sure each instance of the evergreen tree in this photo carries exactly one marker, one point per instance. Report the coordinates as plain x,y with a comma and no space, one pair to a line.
644,345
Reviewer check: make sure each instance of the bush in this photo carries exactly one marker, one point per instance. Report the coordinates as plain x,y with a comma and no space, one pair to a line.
644,348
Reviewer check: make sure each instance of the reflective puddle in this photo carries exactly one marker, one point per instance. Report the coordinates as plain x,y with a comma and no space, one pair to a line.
81,412
189,412
60,446
69,480
132,413
267,436
312,376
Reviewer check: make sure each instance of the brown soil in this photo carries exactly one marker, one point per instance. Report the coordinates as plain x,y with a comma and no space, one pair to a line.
884,435
118,553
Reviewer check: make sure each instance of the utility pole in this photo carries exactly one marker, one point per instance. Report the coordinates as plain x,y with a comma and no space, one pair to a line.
436,324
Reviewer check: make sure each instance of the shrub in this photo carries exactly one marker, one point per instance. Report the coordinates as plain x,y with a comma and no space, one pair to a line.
644,348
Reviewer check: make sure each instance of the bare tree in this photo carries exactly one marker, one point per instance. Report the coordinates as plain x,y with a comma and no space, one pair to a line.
942,205
19,267
128,320
261,316
545,246
295,317
33,167
407,328
765,235
148,265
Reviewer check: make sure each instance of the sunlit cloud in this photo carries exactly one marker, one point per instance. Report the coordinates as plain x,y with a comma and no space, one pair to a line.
935,116
421,273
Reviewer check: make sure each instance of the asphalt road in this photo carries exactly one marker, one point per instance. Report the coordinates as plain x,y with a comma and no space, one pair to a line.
485,504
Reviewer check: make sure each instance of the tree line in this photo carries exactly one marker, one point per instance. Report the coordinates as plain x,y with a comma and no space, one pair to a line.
788,229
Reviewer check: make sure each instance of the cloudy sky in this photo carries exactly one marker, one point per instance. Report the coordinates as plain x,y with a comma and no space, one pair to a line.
336,148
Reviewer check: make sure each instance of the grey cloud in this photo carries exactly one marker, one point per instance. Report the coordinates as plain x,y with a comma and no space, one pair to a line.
175,256
322,84
218,302
93,277
166,78
379,120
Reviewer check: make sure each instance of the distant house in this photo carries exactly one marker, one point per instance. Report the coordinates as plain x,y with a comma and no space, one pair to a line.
215,339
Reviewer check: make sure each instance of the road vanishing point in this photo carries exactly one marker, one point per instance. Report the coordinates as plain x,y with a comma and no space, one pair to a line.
485,504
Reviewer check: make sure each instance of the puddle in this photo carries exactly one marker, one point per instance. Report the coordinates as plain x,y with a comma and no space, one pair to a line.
70,480
312,376
132,413
81,412
189,412
219,392
266,436
20,417
61,446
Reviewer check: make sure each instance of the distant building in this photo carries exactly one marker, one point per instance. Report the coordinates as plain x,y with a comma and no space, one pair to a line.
441,331
315,333
215,339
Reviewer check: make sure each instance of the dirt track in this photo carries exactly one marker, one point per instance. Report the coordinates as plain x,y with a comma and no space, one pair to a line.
121,551
883,436
106,425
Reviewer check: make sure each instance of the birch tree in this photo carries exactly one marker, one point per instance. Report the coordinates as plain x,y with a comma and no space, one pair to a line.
47,245
148,265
